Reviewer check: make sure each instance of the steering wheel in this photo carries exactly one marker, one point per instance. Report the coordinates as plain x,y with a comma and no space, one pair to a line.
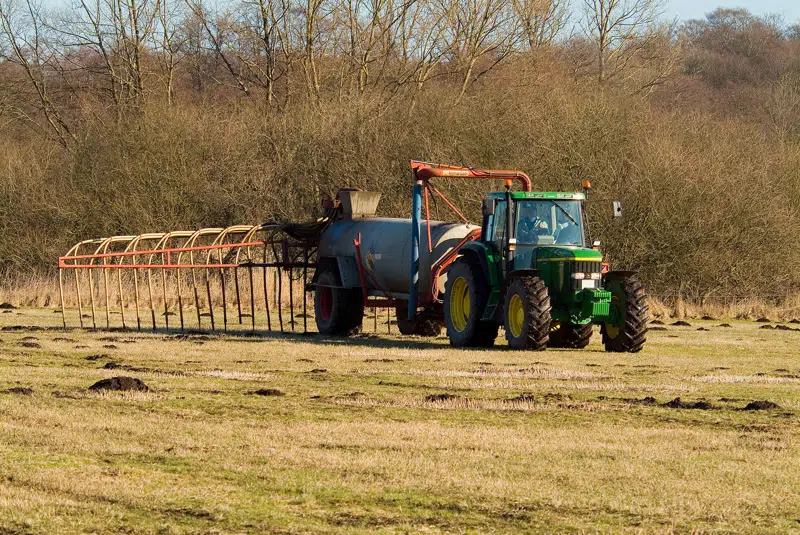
531,225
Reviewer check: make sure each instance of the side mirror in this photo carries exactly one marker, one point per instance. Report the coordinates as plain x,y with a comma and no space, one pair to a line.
488,206
617,209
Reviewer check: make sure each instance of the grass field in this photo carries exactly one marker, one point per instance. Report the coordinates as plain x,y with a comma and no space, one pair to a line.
391,435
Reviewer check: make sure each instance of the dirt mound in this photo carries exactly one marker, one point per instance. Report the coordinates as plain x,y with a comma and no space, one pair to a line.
766,327
657,328
110,346
318,370
7,306
30,344
382,360
62,339
21,390
97,357
111,366
121,383
762,320
525,397
724,325
29,339
656,322
708,318
268,392
30,328
440,397
678,404
785,328
795,321
762,405
304,360
681,323
702,329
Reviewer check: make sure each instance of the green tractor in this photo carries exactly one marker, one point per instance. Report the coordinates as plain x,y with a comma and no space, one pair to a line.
532,272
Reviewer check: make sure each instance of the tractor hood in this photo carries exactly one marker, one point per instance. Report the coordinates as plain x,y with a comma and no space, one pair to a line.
564,254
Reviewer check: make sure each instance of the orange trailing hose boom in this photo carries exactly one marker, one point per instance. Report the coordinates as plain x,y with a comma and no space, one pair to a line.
426,170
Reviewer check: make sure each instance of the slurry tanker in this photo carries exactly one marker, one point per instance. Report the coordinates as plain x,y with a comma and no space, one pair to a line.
528,268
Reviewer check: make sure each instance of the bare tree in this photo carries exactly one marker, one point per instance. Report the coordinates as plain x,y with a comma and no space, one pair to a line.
479,29
618,28
23,43
167,44
217,29
541,20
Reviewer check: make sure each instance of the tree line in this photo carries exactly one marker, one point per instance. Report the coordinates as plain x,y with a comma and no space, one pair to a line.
126,116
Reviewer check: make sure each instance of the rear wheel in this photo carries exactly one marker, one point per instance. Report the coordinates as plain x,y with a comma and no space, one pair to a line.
465,298
527,314
630,300
570,335
422,325
338,311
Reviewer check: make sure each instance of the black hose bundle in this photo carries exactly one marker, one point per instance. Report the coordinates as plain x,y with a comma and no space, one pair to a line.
309,232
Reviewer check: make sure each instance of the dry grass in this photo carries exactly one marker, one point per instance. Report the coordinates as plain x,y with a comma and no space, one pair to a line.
558,441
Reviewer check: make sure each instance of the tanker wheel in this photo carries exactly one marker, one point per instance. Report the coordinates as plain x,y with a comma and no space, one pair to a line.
338,311
465,298
630,299
570,335
424,325
527,314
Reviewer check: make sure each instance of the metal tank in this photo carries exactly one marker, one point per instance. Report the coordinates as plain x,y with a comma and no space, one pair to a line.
386,248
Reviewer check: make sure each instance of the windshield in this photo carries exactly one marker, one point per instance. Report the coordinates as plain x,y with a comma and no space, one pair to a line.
549,222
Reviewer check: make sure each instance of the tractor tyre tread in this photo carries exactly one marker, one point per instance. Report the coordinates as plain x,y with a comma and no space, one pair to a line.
571,336
633,333
347,308
536,302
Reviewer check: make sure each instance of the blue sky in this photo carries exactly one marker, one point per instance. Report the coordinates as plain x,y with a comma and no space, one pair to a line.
695,9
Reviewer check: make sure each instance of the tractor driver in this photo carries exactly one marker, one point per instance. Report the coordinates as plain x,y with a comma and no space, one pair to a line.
532,222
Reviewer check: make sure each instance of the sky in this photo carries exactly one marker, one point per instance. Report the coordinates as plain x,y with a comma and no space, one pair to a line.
695,9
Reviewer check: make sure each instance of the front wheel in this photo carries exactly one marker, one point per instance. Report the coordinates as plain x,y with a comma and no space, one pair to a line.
570,335
527,314
630,300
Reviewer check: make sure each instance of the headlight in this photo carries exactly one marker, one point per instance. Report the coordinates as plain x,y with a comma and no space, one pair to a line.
578,276
596,276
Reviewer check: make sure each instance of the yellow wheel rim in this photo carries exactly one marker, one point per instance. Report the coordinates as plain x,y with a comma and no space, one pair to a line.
516,316
459,304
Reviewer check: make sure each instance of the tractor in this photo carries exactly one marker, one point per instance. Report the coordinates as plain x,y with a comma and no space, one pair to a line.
532,272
